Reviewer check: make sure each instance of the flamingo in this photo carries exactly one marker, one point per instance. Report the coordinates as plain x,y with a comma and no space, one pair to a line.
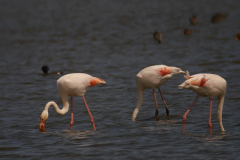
74,84
206,85
153,77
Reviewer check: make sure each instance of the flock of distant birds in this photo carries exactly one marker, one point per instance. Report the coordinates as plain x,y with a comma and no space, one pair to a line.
204,84
194,21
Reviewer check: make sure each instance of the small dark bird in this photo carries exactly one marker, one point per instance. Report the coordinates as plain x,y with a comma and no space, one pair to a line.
45,70
218,18
187,31
237,37
193,20
157,36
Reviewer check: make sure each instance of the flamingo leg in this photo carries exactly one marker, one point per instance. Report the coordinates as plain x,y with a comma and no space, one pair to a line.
167,110
91,117
72,121
210,113
185,115
155,99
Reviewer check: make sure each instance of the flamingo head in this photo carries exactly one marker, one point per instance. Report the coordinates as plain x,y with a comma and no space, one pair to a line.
43,118
192,84
176,71
185,84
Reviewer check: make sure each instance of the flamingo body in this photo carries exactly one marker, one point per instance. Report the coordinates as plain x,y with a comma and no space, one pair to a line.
74,84
153,77
207,85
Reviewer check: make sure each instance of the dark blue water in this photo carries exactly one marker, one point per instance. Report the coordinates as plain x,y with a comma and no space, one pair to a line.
113,40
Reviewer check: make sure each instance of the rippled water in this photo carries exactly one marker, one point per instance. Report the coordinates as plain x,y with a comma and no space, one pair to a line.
113,40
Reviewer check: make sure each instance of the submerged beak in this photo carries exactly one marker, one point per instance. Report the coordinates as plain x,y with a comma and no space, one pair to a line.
41,125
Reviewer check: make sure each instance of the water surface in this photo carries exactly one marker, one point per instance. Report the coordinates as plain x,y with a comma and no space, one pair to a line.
113,40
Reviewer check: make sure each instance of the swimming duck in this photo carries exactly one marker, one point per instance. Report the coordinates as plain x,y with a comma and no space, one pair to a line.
157,36
45,70
187,31
193,20
237,37
218,18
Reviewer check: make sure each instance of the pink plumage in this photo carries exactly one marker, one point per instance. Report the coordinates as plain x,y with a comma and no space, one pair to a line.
153,77
206,85
74,84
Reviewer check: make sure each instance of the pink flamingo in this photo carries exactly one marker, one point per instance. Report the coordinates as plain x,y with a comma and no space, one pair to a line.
75,84
153,77
206,85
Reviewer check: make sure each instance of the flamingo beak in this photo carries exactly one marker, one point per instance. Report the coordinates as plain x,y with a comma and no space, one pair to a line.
41,125
181,86
181,72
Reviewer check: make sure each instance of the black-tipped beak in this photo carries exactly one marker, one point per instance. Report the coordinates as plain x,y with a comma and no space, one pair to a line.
42,125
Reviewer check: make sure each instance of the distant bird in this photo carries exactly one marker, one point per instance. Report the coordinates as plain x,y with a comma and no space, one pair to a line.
193,20
237,37
187,31
218,18
45,70
153,77
157,36
206,85
75,84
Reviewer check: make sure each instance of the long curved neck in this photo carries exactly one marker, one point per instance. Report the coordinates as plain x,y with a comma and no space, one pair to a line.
139,102
219,112
56,108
